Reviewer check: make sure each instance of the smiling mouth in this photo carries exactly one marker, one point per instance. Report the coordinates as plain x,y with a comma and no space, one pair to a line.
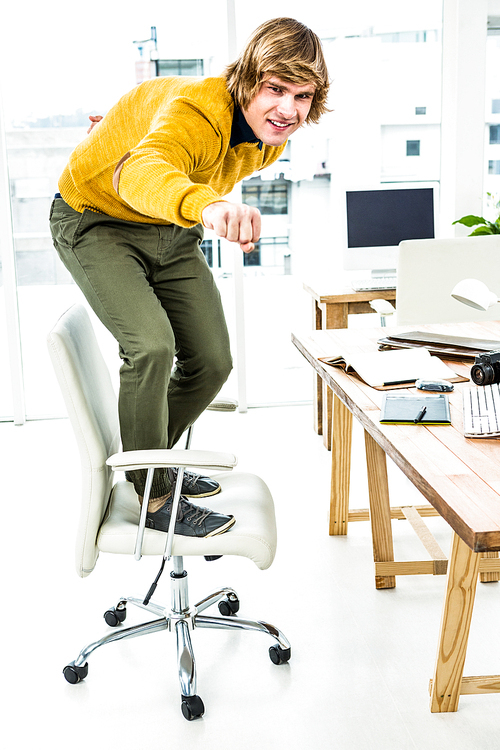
280,125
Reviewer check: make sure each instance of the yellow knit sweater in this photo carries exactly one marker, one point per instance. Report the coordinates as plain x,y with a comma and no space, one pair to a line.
171,136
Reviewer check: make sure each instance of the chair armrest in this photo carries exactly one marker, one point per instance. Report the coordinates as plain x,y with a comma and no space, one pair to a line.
154,459
382,306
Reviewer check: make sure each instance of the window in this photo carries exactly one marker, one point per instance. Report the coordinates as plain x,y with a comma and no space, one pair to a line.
420,110
406,37
207,250
253,258
268,197
494,133
179,67
412,148
31,187
494,166
275,249
495,106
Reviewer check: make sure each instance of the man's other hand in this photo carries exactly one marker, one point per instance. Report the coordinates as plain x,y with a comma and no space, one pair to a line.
94,119
236,222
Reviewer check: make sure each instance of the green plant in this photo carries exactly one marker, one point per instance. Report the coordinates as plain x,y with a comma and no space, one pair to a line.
483,225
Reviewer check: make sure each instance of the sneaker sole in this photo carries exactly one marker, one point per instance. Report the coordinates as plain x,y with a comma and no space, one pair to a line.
222,529
204,494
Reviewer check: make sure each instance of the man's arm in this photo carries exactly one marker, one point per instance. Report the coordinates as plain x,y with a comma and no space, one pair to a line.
154,176
236,222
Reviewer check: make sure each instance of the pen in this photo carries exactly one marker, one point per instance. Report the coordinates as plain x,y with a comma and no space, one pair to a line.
420,414
398,382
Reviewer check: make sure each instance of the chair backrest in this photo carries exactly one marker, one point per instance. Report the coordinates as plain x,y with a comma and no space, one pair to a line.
429,269
93,412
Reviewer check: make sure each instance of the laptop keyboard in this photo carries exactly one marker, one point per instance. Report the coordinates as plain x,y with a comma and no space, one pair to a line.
482,410
374,283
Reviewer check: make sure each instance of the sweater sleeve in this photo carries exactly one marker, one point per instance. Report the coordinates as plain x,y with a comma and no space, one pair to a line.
155,177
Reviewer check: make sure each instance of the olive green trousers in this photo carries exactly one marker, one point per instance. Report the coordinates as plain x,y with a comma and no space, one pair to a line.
151,287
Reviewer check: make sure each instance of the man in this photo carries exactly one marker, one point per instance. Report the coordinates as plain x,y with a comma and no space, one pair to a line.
127,224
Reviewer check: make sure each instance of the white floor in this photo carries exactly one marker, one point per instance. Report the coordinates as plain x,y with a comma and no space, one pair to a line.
362,658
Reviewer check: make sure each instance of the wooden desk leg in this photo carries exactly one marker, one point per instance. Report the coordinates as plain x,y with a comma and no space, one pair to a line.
326,417
463,569
318,382
341,467
380,511
333,315
318,404
325,316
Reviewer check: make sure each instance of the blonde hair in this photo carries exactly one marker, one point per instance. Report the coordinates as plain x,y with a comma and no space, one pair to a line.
287,49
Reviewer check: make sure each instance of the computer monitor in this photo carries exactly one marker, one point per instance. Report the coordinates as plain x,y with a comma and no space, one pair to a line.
378,219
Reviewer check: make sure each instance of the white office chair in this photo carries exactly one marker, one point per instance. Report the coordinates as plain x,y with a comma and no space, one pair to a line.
427,272
110,518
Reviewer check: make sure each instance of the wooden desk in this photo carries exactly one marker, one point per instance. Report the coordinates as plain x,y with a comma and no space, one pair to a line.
459,477
331,310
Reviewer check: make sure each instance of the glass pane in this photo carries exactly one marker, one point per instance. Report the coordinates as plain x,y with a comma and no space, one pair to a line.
36,157
412,148
180,67
491,209
270,197
274,306
494,133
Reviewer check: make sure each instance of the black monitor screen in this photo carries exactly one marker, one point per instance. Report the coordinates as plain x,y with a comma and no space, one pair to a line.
378,218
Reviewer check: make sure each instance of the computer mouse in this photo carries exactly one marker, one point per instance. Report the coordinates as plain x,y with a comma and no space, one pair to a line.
434,385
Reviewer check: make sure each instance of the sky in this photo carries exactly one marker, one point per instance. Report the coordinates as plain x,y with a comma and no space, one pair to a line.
60,56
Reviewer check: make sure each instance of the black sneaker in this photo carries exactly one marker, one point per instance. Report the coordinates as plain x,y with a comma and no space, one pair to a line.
193,485
191,520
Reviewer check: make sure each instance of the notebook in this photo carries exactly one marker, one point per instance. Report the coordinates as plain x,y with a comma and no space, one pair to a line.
393,369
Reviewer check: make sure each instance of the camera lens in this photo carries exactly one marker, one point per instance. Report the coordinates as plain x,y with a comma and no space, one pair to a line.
482,374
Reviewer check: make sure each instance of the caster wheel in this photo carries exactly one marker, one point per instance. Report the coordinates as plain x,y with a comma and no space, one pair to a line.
115,616
229,605
280,655
192,707
74,674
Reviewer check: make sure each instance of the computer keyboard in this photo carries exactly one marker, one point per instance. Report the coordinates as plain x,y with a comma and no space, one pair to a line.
374,283
482,411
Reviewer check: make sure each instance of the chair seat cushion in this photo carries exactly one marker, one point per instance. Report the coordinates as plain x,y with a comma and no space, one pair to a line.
245,496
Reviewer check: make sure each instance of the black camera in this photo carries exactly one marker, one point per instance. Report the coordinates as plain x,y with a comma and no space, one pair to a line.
486,368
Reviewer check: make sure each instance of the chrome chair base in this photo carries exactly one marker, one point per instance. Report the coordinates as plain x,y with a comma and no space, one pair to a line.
183,619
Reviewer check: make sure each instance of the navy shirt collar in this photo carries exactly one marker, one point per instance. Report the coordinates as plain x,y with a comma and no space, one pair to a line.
241,132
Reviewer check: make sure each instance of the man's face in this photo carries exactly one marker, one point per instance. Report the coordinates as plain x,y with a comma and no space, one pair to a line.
278,109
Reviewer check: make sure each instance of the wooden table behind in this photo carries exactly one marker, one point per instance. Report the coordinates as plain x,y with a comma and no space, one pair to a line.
459,477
